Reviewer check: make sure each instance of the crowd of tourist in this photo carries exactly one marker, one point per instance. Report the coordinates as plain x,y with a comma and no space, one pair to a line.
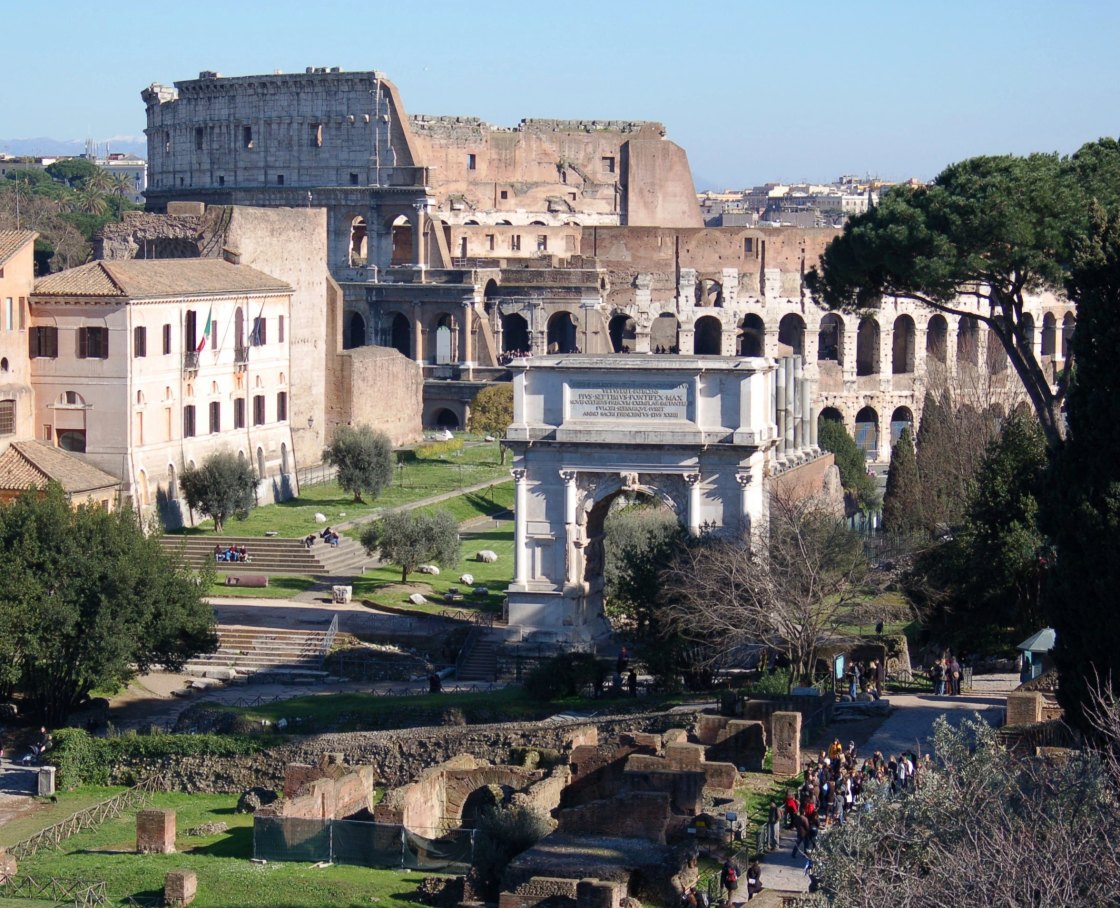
509,356
232,553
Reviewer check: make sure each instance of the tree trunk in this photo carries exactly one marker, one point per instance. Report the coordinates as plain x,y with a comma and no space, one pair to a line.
404,575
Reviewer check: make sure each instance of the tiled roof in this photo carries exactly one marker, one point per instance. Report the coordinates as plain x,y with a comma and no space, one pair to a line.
32,464
12,241
146,278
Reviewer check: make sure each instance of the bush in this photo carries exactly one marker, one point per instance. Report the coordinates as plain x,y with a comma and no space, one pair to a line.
501,835
84,760
775,682
439,448
565,675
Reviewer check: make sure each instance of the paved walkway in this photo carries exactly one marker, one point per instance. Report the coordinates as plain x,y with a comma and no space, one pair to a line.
908,727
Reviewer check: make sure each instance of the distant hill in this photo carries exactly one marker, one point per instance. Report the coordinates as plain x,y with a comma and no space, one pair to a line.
42,146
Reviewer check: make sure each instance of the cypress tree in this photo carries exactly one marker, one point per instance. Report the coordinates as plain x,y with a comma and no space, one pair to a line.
902,503
1082,512
935,438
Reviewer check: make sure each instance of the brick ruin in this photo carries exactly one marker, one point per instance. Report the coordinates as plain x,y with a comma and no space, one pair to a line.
330,790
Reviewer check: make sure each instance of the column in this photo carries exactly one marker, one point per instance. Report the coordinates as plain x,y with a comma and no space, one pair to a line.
417,333
790,393
814,425
808,435
520,553
780,406
743,478
569,479
419,235
692,480
465,355
795,403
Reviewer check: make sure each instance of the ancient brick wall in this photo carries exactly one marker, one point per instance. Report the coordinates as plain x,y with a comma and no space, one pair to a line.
640,815
324,792
380,388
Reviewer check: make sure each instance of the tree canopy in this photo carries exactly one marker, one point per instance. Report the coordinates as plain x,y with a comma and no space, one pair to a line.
987,231
364,459
492,411
412,538
224,486
87,600
851,461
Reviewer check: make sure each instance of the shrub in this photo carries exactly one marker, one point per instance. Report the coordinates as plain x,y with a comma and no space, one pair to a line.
83,760
565,675
439,448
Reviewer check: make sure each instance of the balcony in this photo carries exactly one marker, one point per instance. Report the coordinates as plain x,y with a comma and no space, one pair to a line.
190,361
241,355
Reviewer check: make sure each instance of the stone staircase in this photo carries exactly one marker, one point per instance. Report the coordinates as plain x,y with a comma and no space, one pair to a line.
273,555
265,653
478,659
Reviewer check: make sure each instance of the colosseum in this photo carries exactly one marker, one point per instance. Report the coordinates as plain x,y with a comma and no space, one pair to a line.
463,244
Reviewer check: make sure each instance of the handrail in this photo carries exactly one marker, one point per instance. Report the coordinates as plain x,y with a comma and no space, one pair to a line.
328,638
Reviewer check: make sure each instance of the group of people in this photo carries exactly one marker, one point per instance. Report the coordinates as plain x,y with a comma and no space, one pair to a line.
661,349
946,673
238,553
509,356
729,880
864,678
329,536
834,785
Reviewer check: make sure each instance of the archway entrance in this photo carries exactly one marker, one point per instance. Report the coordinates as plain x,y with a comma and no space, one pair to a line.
707,336
830,339
443,340
867,432
358,242
623,332
752,341
355,332
901,418
791,335
664,334
445,418
515,334
562,333
400,335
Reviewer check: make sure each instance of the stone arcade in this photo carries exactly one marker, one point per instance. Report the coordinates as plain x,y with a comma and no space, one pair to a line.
700,434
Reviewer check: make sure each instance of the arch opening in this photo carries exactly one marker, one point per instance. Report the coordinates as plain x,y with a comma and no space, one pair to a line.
1049,334
515,334
1069,324
355,332
665,334
968,341
707,337
903,346
867,347
562,333
830,414
752,339
937,339
830,339
359,242
446,418
867,432
403,241
623,333
400,334
791,335
901,418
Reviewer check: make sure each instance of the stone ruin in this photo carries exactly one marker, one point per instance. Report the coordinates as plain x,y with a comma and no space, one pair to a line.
329,791
621,808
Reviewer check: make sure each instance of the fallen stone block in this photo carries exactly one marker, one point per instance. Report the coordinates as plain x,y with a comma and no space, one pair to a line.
487,556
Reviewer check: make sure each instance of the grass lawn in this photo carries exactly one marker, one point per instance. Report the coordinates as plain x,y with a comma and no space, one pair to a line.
382,586
280,586
415,479
65,804
225,876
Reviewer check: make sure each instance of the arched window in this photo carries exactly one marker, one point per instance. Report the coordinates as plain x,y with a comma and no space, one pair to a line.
562,333
867,431
791,335
867,347
937,339
707,336
752,340
515,334
355,332
358,242
830,339
664,334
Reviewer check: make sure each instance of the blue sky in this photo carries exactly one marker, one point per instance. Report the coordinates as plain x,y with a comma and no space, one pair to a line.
754,91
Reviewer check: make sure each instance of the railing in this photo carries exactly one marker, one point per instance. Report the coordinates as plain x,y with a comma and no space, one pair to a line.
240,355
90,818
328,638
316,474
473,636
471,616
190,361
79,893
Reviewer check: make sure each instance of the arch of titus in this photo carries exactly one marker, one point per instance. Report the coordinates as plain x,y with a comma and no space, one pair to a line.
702,434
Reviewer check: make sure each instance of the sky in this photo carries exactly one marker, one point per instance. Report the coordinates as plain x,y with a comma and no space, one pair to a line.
753,91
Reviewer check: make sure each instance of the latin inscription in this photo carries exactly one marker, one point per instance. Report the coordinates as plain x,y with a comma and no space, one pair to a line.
619,401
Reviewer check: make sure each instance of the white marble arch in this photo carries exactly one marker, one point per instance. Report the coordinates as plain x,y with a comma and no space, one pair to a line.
698,433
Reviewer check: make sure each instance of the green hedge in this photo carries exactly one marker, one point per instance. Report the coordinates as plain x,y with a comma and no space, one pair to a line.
84,760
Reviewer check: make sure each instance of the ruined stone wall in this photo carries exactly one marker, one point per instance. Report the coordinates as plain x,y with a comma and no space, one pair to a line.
398,757
659,187
380,388
324,792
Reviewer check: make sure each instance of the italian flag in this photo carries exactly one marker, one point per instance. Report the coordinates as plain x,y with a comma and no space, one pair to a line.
206,331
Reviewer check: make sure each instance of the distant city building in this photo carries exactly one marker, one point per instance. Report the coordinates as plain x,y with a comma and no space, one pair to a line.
133,170
791,205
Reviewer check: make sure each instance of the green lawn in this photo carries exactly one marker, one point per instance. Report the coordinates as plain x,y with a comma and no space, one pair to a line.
280,586
382,586
225,876
414,479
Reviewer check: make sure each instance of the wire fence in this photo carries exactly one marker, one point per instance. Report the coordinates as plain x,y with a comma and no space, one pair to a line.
79,893
90,818
361,843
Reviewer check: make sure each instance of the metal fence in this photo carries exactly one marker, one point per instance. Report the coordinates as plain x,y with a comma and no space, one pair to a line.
361,843
315,474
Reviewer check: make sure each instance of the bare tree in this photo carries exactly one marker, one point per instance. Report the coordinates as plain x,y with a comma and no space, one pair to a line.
790,590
